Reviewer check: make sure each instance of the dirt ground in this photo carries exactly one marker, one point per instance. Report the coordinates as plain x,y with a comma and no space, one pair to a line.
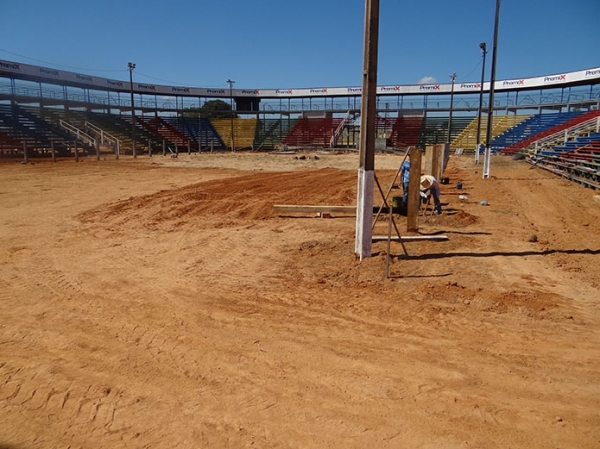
161,303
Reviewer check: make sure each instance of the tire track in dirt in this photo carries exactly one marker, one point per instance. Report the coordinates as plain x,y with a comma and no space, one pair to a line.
91,409
87,409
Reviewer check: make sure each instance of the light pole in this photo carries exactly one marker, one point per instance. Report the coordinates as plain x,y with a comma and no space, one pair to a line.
230,82
488,139
131,66
453,78
484,52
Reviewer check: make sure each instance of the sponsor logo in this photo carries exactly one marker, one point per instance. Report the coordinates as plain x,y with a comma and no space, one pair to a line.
283,92
390,89
550,79
592,72
470,85
84,78
251,92
215,91
10,65
114,83
354,90
318,91
431,87
51,72
183,90
513,83
146,86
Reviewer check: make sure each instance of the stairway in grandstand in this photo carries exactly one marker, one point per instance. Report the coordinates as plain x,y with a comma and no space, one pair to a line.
120,127
339,130
21,124
434,130
75,122
113,125
578,159
271,132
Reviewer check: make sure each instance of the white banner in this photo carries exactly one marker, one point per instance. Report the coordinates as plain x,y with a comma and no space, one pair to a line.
54,76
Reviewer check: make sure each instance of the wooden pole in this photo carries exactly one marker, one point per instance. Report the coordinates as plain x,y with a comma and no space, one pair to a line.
414,197
366,168
435,161
389,240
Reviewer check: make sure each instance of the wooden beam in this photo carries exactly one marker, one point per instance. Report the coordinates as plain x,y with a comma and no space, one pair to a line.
414,191
368,131
410,238
289,209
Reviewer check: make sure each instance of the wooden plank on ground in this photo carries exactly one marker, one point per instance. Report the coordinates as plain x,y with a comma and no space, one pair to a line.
410,238
290,209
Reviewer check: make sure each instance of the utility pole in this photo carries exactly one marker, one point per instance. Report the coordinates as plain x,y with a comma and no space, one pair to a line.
230,82
478,141
488,140
453,78
368,111
131,66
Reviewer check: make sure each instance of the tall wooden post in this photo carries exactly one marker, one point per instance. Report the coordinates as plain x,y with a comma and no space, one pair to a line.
414,197
366,167
435,161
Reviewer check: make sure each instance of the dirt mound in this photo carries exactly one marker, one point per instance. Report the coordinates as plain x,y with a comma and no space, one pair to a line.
249,197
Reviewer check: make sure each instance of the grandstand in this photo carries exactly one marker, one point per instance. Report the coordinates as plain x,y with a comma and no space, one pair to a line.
45,111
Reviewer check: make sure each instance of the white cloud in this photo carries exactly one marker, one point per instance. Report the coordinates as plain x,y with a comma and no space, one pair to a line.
427,80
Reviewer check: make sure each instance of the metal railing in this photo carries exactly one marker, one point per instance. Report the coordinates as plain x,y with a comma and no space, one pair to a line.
106,139
562,136
81,136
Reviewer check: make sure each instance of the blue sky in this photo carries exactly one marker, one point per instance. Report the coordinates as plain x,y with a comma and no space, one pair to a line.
292,44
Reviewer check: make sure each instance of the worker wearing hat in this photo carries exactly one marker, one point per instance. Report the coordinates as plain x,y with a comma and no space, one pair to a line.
431,185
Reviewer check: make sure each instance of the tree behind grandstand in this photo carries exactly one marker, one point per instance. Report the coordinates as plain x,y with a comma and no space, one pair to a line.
210,109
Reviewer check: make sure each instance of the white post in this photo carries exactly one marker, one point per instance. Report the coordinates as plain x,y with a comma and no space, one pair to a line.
366,167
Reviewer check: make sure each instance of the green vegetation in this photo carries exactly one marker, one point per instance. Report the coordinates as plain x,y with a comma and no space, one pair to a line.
211,109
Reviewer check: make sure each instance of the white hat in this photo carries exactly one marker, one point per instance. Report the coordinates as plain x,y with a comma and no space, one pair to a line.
426,181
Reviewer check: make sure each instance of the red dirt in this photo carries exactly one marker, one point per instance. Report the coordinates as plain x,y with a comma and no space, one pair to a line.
162,303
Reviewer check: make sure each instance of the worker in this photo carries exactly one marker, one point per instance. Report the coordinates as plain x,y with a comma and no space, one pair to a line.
430,185
404,177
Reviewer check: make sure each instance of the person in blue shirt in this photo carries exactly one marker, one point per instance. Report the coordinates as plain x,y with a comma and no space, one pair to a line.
404,178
